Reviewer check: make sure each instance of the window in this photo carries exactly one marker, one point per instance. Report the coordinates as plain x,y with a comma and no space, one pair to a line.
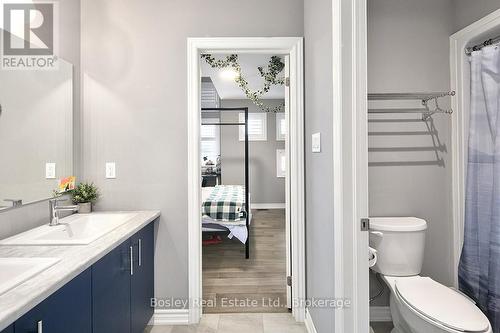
280,126
257,126
280,163
208,131
209,149
210,140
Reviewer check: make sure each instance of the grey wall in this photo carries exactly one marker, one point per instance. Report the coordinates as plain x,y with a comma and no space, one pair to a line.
265,187
408,51
468,12
135,104
21,219
319,173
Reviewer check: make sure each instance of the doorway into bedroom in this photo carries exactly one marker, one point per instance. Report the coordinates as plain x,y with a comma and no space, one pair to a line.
245,225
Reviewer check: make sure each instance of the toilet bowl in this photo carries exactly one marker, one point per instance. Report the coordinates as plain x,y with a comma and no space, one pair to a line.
418,304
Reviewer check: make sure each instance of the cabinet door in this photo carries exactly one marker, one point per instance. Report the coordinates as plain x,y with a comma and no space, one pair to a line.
67,310
142,279
111,291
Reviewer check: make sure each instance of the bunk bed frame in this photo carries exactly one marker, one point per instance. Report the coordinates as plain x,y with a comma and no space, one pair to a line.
245,123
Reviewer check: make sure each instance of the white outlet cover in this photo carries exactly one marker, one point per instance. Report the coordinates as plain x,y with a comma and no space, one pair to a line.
316,143
110,170
50,170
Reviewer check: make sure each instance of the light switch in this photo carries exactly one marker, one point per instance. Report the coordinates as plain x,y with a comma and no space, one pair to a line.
110,170
316,143
50,170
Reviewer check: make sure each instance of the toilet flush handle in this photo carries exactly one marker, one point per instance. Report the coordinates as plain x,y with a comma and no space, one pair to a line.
377,233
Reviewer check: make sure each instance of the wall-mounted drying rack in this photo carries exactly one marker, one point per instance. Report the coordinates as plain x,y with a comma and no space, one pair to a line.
427,110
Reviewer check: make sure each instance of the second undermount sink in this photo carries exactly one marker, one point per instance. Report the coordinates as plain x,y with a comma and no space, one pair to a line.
14,271
78,229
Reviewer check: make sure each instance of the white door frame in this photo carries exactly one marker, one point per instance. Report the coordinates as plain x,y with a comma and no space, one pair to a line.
460,76
350,163
292,46
288,249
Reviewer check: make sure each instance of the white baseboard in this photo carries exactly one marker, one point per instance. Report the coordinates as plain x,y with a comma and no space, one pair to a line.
170,317
267,206
309,323
380,313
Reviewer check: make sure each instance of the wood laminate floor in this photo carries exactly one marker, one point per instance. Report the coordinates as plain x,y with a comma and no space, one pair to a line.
233,284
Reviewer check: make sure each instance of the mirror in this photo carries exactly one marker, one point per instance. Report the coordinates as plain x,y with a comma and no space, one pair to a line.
36,133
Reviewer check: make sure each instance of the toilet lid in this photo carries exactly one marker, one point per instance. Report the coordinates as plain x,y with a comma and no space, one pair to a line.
442,304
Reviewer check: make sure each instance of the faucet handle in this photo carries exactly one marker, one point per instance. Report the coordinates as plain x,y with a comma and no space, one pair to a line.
54,202
58,199
15,202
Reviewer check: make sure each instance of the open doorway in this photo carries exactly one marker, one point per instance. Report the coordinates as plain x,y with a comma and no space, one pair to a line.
245,248
247,208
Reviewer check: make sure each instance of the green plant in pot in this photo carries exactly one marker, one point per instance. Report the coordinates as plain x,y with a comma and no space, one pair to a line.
84,195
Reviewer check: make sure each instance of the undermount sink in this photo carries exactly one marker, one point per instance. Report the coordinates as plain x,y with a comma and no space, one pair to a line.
78,229
14,271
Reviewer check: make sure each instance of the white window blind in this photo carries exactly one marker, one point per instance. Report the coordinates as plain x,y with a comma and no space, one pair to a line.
210,149
257,126
210,139
209,96
208,131
280,126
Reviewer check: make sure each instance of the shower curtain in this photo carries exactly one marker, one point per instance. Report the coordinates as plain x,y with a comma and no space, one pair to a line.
479,269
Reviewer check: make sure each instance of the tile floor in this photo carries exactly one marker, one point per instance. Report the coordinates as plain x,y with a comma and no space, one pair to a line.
239,323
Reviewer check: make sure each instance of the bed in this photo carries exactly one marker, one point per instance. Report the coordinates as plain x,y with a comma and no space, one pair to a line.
223,209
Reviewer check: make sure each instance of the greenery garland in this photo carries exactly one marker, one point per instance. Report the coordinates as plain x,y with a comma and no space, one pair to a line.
270,76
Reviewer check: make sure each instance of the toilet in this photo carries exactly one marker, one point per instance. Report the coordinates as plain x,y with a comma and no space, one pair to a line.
418,304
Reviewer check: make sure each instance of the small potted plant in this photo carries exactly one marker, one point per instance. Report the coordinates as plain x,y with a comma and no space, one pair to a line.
84,195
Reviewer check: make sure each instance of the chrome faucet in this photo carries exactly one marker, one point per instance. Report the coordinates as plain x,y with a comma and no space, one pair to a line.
54,209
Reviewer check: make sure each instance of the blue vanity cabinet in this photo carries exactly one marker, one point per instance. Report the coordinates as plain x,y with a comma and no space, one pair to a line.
67,310
123,284
111,291
142,279
112,296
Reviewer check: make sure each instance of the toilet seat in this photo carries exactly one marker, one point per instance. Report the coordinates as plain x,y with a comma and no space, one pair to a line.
441,305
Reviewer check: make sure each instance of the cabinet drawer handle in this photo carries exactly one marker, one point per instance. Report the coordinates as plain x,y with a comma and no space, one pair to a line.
40,326
131,260
140,252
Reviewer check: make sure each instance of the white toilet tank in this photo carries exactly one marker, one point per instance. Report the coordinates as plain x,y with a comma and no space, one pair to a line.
399,242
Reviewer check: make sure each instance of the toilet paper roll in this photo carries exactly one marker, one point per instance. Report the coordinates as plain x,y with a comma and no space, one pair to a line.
372,257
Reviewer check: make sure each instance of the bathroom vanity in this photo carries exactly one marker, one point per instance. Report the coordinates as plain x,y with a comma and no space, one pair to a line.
103,286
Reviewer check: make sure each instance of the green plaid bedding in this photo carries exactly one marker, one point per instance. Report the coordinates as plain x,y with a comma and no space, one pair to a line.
225,203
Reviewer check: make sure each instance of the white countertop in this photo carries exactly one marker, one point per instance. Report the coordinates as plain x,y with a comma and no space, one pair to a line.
74,260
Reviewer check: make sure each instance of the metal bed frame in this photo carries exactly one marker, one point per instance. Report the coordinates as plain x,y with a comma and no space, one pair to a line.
247,206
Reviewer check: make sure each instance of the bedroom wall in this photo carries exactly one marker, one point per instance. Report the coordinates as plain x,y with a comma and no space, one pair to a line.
319,174
410,166
265,187
135,101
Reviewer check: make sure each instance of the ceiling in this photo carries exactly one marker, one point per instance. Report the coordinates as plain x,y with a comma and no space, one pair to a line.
228,89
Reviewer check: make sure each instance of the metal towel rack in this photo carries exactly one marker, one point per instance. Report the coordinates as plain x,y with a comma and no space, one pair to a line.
426,98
